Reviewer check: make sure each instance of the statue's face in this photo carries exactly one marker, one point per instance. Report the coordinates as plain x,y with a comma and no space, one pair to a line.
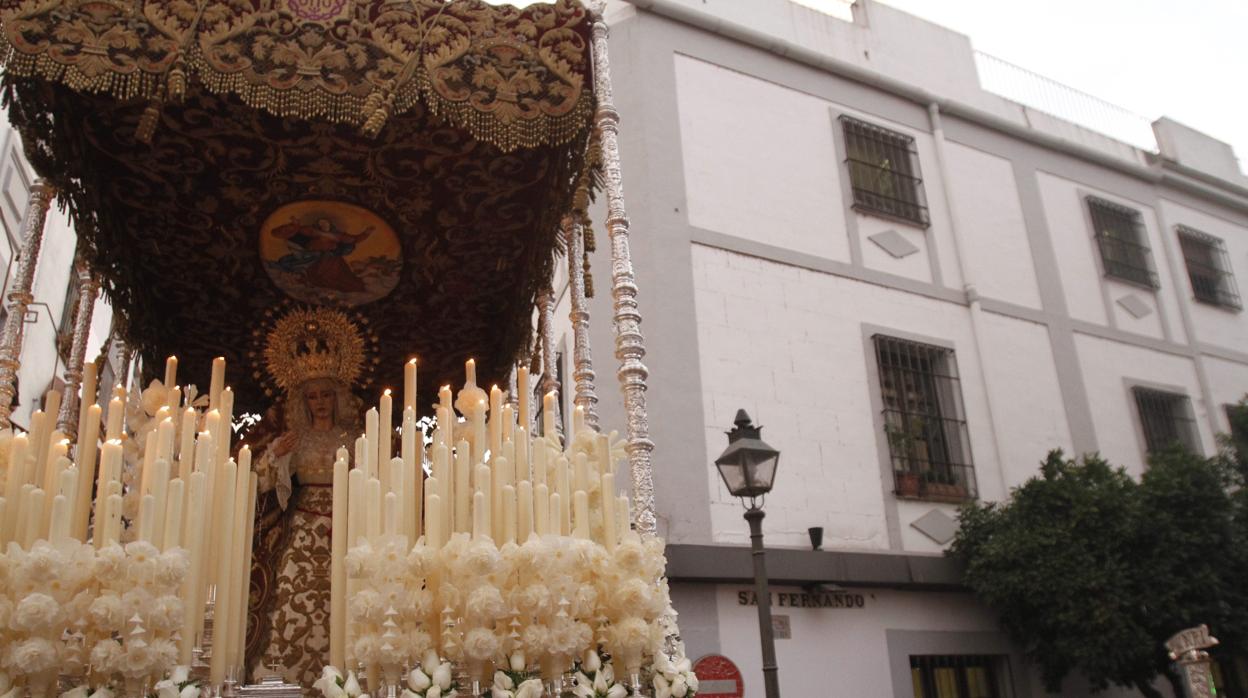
320,398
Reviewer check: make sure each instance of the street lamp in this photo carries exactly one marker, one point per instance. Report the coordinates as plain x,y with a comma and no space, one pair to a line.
748,467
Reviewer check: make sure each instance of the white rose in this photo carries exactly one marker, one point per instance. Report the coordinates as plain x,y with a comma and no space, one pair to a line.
503,681
36,612
180,674
433,692
189,692
692,679
516,661
530,689
600,683
480,644
79,692
617,691
418,680
33,655
409,693
328,683
679,687
330,673
592,662
496,692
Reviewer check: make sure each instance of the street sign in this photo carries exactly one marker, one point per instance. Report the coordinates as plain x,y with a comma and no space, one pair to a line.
718,677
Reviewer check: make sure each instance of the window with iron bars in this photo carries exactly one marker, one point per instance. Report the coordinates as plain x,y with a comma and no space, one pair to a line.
1167,420
924,420
957,676
884,172
1120,237
1209,268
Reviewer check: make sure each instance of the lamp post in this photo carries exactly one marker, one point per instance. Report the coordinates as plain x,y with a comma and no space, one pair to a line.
748,467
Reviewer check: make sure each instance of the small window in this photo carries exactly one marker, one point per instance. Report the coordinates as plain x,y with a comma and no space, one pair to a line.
1237,418
1120,237
1167,420
957,676
884,172
924,420
1209,268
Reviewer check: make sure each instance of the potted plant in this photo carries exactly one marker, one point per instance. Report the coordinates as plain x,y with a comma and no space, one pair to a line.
907,483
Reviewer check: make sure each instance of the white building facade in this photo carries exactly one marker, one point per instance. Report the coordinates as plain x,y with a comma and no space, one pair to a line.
918,288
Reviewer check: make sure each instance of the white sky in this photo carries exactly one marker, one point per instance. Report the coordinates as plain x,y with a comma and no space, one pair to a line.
1185,60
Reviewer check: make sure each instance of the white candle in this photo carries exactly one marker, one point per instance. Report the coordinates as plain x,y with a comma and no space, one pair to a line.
58,534
160,489
175,399
446,415
88,435
39,444
496,420
390,510
581,472
384,434
171,371
372,510
556,514
164,439
356,480
549,405
541,510
433,525
480,525
479,443
226,434
578,420
607,492
112,519
522,455
398,488
116,411
561,487
361,454
581,504
186,447
338,569
237,550
223,523
147,507
463,489
370,437
204,452
497,478
14,479
524,506
483,489
509,514
409,385
110,461
86,395
193,584
173,514
522,387
31,508
626,517
244,582
217,383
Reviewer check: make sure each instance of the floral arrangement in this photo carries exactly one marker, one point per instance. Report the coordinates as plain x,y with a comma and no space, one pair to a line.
673,674
333,684
595,678
107,616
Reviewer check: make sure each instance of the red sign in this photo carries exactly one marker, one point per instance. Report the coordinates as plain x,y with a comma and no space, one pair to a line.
718,677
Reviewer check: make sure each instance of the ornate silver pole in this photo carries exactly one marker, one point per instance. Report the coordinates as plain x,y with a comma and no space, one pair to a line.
546,325
41,194
67,420
582,356
630,345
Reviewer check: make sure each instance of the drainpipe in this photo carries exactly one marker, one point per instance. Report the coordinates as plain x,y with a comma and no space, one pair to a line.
968,282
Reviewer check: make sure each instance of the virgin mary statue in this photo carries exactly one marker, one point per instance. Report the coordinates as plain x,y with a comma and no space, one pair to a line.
313,357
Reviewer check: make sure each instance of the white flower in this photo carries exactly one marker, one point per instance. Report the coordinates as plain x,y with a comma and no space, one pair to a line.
503,682
692,679
77,692
531,688
679,687
189,692
434,692
328,683
480,644
592,661
617,691
102,692
409,693
35,613
352,686
33,655
180,674
485,603
516,661
166,689
418,680
442,676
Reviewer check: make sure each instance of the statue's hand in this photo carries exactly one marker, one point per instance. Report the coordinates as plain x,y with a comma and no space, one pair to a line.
285,444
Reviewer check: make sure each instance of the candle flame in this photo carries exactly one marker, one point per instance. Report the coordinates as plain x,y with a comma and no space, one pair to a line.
386,391
412,360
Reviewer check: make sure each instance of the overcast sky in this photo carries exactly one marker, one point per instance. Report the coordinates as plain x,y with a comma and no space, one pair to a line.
1185,60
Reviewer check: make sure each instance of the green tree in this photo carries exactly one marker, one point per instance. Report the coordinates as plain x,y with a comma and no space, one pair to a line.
1091,571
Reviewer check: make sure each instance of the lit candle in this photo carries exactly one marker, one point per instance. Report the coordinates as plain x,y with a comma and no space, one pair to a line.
86,395
216,384
14,479
578,420
524,523
541,510
409,387
509,514
446,415
384,434
522,387
338,569
186,447
116,411
164,439
581,504
171,372
607,492
226,434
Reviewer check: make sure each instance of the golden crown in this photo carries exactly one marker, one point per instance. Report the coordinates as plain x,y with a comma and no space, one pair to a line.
304,343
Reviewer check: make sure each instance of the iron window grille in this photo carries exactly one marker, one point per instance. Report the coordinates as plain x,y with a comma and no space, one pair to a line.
1120,237
884,172
1167,420
924,420
1209,268
957,676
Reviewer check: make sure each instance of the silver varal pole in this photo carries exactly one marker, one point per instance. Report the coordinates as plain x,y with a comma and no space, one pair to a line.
630,345
20,297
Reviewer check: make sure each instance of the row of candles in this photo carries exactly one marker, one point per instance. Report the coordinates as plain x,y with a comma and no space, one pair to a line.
488,477
191,494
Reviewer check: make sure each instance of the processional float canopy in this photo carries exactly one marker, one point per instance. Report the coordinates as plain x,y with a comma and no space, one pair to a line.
409,161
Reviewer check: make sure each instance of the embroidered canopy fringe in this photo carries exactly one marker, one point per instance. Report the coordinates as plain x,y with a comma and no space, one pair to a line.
512,78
